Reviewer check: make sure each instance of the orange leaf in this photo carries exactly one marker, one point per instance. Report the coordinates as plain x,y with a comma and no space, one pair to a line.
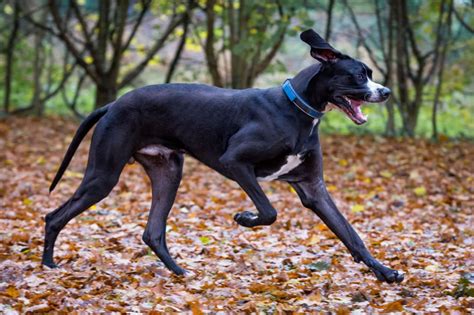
13,292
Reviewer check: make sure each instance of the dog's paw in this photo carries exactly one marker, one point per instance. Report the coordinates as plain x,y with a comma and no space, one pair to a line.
177,270
50,265
388,275
246,218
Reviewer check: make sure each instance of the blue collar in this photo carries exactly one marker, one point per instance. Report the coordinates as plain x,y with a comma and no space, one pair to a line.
299,101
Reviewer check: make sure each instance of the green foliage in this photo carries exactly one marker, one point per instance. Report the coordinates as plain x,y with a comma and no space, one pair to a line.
464,287
22,83
262,22
454,121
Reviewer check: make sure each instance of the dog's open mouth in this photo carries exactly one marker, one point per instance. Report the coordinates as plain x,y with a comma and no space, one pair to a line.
352,109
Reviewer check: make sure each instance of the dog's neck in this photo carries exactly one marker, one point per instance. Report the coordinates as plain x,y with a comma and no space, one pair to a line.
302,84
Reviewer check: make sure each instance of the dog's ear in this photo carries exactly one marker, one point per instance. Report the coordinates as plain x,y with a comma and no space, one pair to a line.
320,49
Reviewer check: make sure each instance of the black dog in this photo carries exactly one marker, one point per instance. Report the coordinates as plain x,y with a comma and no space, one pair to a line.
246,135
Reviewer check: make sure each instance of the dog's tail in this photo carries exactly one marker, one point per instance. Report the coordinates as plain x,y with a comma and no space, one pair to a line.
81,132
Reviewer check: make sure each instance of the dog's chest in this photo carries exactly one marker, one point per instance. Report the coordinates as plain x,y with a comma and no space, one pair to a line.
278,168
289,163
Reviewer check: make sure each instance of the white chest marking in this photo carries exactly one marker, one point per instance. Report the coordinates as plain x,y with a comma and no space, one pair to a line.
292,161
155,149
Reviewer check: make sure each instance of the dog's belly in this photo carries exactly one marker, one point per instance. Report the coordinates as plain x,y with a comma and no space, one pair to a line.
153,150
269,171
291,162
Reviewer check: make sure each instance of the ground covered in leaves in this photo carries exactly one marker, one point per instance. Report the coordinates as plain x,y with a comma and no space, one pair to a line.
411,201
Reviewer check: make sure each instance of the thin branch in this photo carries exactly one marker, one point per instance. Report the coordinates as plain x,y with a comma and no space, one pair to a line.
411,35
63,34
179,49
73,103
438,42
381,37
28,18
66,75
145,7
87,36
263,64
132,74
121,11
362,39
329,13
463,23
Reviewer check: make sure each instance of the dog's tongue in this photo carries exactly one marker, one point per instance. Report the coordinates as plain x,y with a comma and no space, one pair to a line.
359,116
356,115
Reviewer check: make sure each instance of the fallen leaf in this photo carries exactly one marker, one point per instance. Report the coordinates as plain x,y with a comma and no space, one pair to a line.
420,191
357,208
13,292
395,306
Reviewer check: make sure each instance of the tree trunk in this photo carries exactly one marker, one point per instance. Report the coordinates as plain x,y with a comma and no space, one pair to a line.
401,74
390,128
390,125
441,66
37,105
9,58
105,94
417,102
410,125
211,58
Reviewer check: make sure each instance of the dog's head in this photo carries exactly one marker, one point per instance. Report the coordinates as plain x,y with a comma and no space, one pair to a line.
342,82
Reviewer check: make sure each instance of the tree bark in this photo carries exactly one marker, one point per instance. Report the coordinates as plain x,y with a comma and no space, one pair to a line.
414,67
329,13
37,106
105,94
211,58
9,56
387,50
445,46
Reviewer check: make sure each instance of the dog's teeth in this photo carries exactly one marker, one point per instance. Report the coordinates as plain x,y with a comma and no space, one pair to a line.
348,100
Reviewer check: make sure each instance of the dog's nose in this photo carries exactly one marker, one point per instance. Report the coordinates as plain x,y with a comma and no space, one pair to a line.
385,92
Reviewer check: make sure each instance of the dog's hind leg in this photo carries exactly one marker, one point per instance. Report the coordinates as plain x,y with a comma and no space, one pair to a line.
106,161
164,167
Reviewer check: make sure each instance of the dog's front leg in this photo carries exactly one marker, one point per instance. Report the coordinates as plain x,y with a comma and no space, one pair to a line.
315,196
244,175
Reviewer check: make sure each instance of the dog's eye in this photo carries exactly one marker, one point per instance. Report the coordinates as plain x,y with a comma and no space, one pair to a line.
369,73
360,77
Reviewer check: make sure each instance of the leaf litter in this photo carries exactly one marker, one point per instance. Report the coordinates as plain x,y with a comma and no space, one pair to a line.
411,201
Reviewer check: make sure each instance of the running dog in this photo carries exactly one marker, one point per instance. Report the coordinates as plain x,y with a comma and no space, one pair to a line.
246,135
